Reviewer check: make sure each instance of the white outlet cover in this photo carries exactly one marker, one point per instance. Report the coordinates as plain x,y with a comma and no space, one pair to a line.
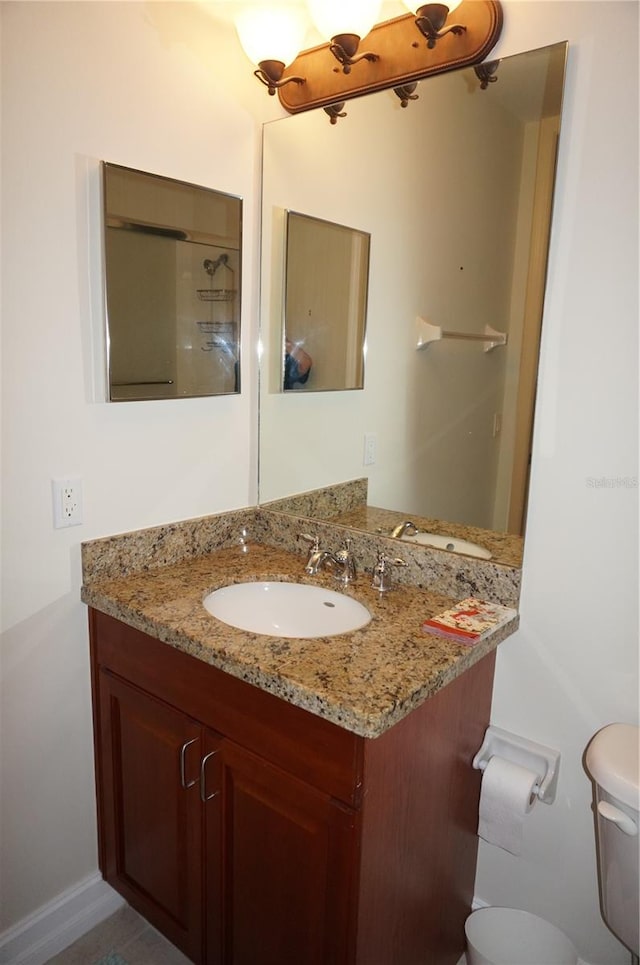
67,502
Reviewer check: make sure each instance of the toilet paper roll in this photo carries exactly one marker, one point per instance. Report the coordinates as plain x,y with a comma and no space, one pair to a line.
506,797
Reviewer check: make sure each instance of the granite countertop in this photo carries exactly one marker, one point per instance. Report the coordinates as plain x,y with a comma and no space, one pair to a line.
364,681
504,547
347,505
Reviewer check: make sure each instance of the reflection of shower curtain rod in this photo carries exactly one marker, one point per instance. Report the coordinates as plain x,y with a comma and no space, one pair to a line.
426,333
146,382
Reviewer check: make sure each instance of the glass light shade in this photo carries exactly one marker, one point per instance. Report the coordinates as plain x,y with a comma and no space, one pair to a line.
412,5
333,17
271,32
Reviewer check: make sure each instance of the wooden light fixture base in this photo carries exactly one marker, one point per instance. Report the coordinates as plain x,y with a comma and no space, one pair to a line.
403,58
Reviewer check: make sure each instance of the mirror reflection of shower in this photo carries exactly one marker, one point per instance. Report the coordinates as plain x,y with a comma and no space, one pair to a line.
219,330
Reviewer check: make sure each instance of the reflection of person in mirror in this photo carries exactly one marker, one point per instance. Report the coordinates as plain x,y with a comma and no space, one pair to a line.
297,365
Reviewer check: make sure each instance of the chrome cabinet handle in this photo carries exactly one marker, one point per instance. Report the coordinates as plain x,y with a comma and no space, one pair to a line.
624,822
183,775
203,778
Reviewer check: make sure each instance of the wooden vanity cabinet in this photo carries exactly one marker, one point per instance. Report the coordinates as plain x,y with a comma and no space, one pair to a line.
287,853
150,825
251,832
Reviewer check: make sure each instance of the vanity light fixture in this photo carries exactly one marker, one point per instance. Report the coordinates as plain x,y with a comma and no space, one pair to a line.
344,25
406,93
431,19
393,57
334,111
271,37
486,73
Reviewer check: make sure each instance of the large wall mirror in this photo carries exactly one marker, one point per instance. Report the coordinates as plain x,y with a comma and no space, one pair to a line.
456,194
172,279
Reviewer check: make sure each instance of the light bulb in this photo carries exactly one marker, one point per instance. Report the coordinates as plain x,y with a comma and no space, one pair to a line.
412,5
334,17
271,32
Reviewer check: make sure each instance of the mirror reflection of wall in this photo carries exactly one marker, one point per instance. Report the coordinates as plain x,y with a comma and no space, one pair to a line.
457,192
172,273
326,281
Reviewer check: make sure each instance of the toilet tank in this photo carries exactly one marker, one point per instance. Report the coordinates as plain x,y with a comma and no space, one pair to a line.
612,762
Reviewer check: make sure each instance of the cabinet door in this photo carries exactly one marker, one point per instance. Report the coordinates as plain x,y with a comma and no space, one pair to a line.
281,868
149,758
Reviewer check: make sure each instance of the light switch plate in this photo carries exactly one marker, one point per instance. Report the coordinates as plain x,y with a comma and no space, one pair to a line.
369,449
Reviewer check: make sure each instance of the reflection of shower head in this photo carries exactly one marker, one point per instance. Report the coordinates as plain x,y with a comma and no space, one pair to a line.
211,267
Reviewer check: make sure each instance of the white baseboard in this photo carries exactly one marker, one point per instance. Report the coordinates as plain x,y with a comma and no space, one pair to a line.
478,903
68,917
58,924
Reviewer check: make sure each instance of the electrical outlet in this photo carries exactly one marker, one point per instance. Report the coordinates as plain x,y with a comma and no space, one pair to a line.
67,502
369,449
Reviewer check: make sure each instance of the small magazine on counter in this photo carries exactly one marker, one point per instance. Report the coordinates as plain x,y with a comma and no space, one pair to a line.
469,621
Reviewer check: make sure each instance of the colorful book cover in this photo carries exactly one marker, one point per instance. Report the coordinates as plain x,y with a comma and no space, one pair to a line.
469,621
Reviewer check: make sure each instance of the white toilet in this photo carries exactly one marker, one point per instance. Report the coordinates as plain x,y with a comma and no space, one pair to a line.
612,761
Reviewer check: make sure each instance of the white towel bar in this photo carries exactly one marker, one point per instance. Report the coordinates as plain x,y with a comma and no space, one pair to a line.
427,333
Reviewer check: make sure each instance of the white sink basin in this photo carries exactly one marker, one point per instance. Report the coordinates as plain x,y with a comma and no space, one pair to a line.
286,609
450,543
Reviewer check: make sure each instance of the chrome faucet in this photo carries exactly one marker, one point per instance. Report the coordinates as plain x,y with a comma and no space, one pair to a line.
342,562
318,559
406,527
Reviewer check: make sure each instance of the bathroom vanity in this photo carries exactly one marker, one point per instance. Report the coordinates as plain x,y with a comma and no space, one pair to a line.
263,800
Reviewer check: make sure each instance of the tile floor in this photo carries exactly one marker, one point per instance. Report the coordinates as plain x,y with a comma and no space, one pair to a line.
129,935
126,933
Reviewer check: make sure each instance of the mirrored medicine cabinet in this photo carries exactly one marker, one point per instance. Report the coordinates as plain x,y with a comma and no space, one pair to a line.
172,259
455,192
325,305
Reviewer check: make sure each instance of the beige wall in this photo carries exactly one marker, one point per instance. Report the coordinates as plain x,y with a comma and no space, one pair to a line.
141,85
573,665
160,87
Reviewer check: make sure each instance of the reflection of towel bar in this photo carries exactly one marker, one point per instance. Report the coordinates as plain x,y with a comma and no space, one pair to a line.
426,333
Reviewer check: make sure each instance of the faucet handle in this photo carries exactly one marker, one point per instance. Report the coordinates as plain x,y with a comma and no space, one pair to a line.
243,540
314,544
345,557
382,573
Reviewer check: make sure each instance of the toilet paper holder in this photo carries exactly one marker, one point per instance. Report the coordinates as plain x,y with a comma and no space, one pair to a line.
544,761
